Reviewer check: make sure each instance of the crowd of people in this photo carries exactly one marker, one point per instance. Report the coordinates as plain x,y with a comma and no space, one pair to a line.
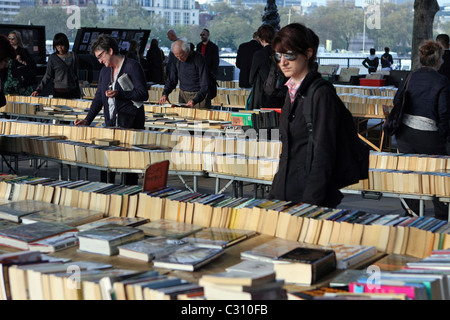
290,51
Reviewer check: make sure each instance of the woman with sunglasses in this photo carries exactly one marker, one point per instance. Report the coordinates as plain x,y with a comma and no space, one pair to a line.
7,53
295,49
121,91
62,70
22,70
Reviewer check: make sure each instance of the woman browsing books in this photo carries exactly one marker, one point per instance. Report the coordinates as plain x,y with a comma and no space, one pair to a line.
121,90
295,49
62,71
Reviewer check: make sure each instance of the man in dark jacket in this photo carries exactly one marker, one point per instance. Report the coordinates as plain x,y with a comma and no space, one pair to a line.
191,71
7,53
444,41
210,51
244,60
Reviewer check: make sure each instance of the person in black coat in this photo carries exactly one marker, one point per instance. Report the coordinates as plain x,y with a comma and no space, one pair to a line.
425,126
244,60
444,41
22,69
260,69
295,50
155,58
7,53
210,51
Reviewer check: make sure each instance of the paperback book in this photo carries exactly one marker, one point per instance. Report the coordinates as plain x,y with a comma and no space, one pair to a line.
55,243
188,258
169,229
106,239
218,237
21,236
122,221
149,248
71,216
15,210
348,255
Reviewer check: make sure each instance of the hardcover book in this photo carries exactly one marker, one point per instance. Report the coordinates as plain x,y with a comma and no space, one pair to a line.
150,248
188,258
55,243
71,216
305,265
106,239
15,210
21,236
122,221
348,255
169,228
218,237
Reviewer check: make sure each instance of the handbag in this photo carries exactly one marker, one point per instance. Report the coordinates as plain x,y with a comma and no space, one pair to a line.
395,117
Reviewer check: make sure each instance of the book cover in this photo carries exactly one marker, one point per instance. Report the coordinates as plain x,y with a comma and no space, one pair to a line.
123,221
271,250
348,255
150,248
55,243
169,228
218,237
188,258
106,239
15,210
242,278
21,236
71,216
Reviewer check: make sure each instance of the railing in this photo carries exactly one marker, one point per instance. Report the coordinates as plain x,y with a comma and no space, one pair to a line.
401,63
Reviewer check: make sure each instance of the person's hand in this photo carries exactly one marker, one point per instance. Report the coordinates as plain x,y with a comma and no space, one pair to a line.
190,104
111,93
80,122
163,100
34,93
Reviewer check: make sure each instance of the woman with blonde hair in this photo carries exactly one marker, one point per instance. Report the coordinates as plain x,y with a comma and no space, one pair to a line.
21,70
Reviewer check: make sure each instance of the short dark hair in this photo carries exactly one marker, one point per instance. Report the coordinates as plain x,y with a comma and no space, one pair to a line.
266,32
204,29
372,51
444,39
60,39
386,49
105,42
298,38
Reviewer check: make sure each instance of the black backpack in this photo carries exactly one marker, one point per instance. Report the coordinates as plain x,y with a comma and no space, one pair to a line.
274,84
352,155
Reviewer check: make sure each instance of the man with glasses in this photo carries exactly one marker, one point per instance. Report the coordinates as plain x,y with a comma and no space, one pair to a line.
7,53
210,51
191,72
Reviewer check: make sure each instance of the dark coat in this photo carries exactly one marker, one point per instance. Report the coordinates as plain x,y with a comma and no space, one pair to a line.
445,67
155,65
258,74
428,96
211,56
244,61
290,182
129,115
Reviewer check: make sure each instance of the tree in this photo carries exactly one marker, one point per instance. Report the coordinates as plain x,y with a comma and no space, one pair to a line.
424,12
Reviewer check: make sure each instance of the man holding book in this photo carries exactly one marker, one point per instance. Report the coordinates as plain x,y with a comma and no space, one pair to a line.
121,91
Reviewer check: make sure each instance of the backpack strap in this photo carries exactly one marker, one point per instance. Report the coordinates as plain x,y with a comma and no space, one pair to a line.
307,113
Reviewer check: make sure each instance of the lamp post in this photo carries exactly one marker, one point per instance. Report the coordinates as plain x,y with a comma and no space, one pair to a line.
271,15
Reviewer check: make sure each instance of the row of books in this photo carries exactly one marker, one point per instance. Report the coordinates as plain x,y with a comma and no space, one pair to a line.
409,161
80,104
36,276
385,91
406,182
215,142
301,222
366,105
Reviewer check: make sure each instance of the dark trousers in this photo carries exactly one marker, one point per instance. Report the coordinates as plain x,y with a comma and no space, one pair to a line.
422,142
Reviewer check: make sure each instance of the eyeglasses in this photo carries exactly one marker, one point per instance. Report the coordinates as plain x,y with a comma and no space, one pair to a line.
202,34
11,38
100,55
289,56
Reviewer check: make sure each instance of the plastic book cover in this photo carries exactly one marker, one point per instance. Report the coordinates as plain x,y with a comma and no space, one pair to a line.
169,228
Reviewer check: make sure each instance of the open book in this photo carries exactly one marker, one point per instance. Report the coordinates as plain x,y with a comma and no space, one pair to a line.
127,85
